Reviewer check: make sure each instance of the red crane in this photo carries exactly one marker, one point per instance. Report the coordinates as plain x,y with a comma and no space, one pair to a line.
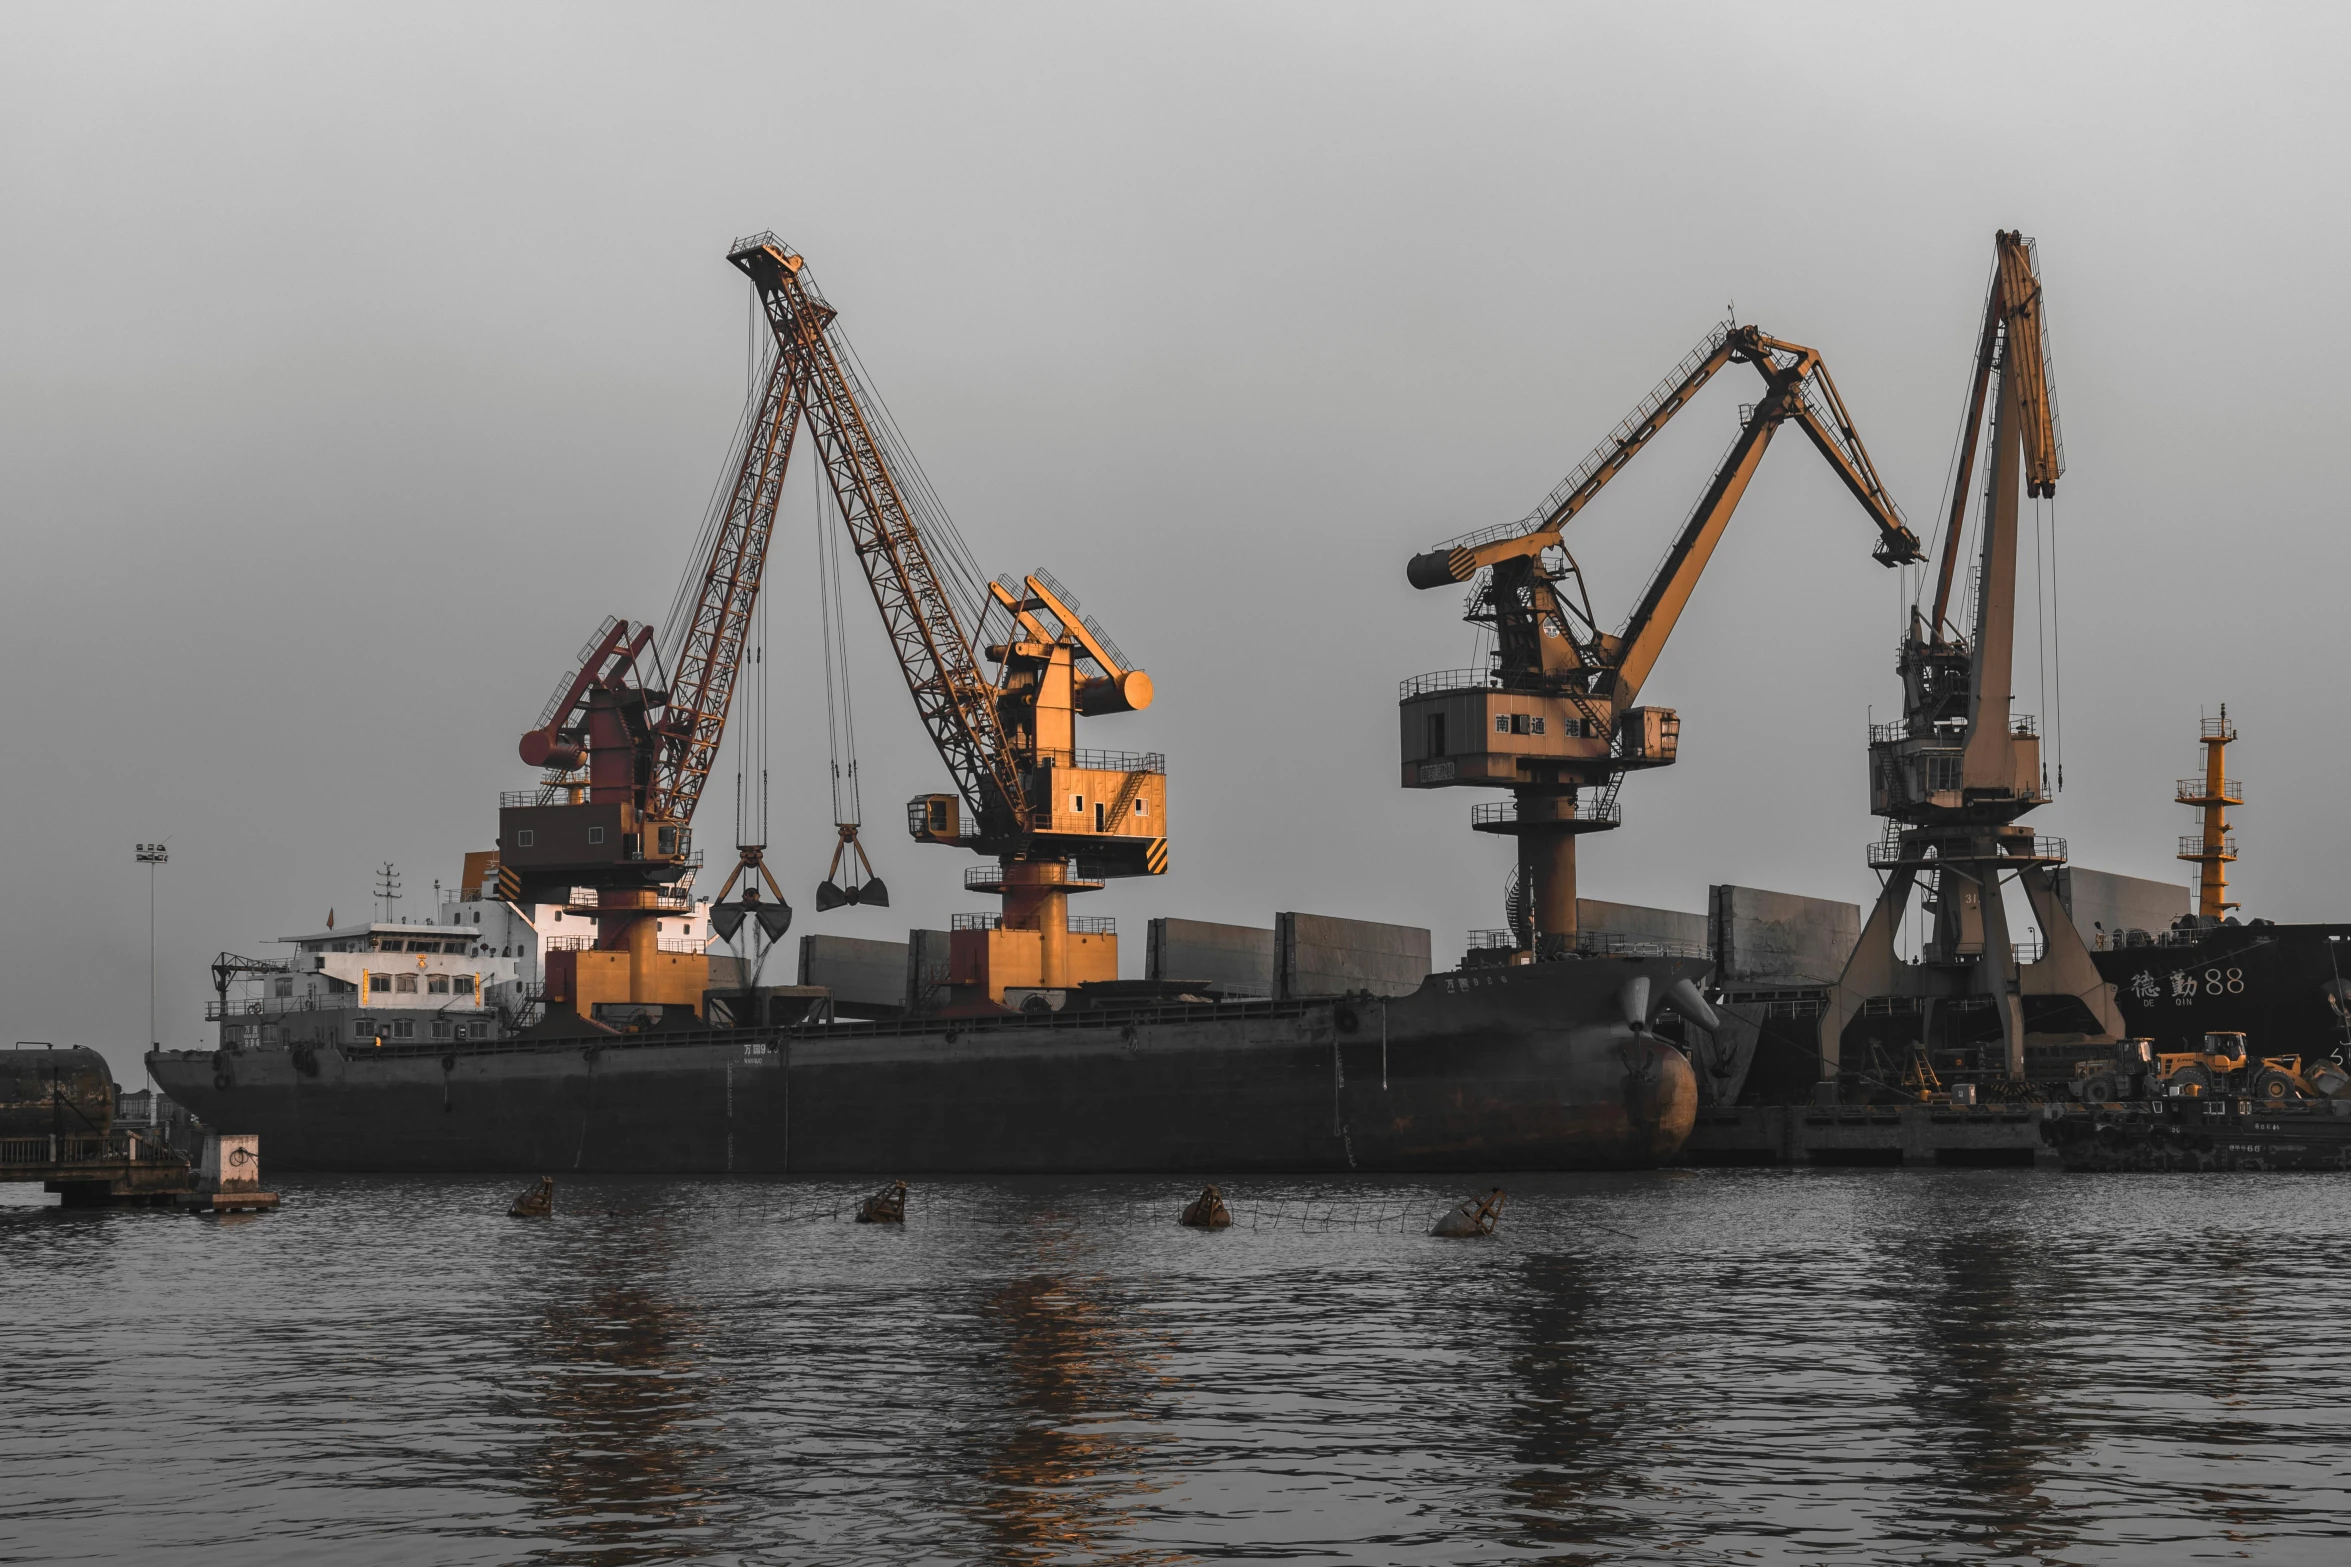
629,739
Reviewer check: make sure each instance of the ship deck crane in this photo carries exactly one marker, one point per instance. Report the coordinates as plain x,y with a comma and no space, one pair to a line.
1555,718
1955,774
1057,819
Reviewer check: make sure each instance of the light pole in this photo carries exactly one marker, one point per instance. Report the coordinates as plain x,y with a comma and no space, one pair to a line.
151,855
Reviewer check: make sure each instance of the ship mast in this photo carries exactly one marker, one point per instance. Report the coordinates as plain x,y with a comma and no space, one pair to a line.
2214,847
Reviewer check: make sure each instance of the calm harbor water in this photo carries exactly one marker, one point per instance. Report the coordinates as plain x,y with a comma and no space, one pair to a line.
1732,1366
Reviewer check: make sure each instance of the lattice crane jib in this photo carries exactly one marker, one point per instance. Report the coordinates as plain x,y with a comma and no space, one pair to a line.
706,647
1554,719
955,700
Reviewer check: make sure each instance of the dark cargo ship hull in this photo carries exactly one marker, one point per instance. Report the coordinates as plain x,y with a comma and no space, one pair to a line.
2282,986
1524,1068
2204,1134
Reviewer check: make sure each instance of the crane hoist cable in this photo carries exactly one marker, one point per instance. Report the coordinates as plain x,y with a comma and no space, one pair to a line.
850,878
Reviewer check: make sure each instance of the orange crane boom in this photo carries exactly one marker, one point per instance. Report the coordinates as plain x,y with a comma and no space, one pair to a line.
955,701
1554,719
1057,818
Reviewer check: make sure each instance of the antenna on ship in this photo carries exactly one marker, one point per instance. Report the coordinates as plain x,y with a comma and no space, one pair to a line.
388,888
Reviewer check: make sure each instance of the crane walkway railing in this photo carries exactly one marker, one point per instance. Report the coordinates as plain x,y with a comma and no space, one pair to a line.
1107,761
1079,924
1447,680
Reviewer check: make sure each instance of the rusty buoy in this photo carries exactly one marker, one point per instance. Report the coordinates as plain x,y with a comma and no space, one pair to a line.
536,1203
1207,1211
887,1206
1472,1216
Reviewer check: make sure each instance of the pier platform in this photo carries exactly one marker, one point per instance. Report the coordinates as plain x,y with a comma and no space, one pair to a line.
117,1168
1911,1134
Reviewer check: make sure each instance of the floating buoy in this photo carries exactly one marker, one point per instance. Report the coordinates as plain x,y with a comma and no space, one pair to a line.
1473,1216
887,1206
1207,1211
536,1203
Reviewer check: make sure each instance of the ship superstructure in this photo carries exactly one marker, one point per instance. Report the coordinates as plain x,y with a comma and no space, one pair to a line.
475,971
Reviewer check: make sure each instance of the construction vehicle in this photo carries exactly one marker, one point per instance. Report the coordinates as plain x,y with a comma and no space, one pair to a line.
1555,717
1056,819
1955,773
2223,1065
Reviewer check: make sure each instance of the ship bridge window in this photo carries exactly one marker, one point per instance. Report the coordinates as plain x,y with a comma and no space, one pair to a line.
595,835
440,1028
438,985
462,984
524,838
379,984
281,988
405,984
405,1028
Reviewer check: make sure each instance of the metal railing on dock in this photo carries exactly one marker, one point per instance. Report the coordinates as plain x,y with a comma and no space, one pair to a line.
68,1149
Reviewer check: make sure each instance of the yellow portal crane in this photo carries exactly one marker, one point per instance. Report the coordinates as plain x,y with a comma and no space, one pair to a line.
1057,819
1554,719
1953,776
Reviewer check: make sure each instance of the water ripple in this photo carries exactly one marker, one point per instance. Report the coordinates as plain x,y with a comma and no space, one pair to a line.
1750,1367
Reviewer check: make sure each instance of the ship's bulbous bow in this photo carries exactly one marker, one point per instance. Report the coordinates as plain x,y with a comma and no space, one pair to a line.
1661,1100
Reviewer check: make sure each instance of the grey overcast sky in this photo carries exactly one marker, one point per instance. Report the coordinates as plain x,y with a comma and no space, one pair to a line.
357,360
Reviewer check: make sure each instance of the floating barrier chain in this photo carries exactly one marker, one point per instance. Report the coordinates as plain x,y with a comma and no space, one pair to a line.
1325,1216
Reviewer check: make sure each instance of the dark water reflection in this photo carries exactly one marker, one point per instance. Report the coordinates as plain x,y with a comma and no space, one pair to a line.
1720,1367
624,1471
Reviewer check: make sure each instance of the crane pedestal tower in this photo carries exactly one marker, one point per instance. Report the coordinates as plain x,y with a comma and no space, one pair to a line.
1954,776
